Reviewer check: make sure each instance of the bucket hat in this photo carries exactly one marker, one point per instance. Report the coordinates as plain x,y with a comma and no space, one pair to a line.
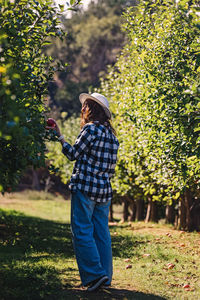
100,99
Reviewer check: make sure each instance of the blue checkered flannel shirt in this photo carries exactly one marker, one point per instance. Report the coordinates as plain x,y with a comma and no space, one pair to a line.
95,152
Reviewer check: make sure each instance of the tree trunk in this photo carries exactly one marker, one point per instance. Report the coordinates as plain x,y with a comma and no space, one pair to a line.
48,184
148,212
139,209
195,214
151,215
182,215
35,180
188,206
170,214
133,211
125,209
111,218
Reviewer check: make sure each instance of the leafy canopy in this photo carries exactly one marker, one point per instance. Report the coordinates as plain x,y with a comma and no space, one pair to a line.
155,92
26,27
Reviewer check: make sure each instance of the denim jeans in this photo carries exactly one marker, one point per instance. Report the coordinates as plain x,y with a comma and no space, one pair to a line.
91,237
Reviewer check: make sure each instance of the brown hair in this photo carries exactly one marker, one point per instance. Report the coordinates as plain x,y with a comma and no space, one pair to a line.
92,111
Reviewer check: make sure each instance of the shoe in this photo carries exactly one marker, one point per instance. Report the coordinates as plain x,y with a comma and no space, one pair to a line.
94,285
105,286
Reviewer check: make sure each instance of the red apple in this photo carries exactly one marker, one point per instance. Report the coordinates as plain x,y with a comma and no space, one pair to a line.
170,266
129,266
186,286
51,122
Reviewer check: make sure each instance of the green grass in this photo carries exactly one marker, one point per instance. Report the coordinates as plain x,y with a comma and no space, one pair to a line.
37,259
38,204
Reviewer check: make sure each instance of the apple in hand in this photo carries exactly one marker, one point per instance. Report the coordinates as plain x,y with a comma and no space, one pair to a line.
51,122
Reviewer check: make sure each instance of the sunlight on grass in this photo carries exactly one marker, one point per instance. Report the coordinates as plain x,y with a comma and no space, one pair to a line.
44,205
158,263
32,195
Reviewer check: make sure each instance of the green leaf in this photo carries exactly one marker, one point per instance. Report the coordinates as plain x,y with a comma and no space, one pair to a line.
177,195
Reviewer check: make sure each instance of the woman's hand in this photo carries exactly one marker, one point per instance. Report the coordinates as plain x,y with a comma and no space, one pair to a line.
51,124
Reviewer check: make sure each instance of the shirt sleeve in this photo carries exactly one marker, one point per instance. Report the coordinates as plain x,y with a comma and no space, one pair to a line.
82,144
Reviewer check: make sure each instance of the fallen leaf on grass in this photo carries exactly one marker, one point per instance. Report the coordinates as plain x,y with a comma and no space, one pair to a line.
168,234
129,266
186,286
170,266
182,245
146,255
172,284
127,260
112,223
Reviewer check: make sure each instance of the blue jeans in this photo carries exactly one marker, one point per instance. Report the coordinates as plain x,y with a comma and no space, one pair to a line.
91,237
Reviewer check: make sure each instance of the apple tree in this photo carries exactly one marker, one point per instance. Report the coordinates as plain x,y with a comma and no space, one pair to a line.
26,28
155,92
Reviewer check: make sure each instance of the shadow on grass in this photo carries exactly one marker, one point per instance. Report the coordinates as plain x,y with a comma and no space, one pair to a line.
22,234
124,246
29,248
109,294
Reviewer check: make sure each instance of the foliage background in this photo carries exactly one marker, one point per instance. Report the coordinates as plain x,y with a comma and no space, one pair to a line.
155,91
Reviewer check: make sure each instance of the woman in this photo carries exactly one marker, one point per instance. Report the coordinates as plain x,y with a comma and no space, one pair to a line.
95,152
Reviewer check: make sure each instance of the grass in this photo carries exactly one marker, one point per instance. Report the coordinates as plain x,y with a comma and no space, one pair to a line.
37,259
38,204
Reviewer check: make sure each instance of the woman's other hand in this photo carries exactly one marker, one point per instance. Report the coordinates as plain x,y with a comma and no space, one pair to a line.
51,124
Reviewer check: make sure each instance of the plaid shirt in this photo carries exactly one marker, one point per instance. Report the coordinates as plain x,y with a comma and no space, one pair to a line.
95,152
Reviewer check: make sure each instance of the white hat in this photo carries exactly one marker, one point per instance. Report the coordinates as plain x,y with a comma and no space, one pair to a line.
100,99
